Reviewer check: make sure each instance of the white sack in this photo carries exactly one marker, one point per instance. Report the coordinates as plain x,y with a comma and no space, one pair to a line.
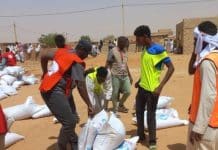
23,111
44,112
90,130
165,118
3,82
31,79
15,70
111,135
3,72
164,102
12,138
17,84
2,95
129,144
9,90
9,79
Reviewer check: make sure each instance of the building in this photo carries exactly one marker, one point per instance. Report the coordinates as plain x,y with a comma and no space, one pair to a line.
161,37
184,33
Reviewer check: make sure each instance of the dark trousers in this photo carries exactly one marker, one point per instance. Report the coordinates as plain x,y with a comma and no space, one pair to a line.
60,106
72,103
144,98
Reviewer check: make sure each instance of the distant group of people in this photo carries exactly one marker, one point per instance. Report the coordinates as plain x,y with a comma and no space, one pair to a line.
112,81
23,51
17,52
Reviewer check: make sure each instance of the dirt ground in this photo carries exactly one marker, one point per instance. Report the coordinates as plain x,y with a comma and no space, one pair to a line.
41,134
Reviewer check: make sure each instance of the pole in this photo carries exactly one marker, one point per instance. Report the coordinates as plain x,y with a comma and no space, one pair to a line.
15,33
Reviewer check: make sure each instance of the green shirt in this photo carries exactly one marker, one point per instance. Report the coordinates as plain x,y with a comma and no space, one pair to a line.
150,73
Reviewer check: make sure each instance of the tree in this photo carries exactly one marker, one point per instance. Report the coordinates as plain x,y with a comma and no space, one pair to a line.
48,40
109,38
86,38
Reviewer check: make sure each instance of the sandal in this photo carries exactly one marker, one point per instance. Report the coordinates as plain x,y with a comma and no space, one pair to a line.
122,109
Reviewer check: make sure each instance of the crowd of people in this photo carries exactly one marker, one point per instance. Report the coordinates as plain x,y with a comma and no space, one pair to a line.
112,81
97,86
21,52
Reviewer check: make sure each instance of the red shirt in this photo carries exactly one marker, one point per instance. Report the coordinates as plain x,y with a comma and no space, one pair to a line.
3,124
10,58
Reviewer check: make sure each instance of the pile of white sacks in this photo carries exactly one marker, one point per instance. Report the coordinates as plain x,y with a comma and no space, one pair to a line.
104,132
101,132
165,116
12,78
23,111
27,110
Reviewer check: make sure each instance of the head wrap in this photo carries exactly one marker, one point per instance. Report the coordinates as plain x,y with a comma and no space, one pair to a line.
201,37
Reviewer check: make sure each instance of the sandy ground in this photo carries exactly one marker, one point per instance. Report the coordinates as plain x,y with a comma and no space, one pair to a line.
41,134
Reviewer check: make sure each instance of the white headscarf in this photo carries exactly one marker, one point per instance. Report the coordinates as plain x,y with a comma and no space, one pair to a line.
203,37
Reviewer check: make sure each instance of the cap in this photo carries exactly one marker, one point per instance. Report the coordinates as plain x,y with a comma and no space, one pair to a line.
86,45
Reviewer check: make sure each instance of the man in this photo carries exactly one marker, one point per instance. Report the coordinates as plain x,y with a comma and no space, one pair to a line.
121,77
8,59
3,129
66,72
203,112
29,50
37,51
115,42
99,88
100,45
153,57
19,52
95,50
110,45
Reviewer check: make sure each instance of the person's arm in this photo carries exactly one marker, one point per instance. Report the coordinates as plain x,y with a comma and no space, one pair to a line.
137,83
191,68
109,59
45,57
77,74
81,86
108,87
108,65
130,76
167,76
90,88
90,70
207,99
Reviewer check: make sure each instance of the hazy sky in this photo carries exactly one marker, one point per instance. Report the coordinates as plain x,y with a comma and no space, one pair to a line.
97,24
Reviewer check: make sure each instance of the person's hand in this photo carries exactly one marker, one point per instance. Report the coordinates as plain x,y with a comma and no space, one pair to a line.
137,84
91,111
158,90
131,80
189,109
195,137
42,76
90,70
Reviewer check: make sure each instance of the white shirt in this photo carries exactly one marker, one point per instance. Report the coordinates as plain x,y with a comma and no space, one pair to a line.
30,48
98,100
37,49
